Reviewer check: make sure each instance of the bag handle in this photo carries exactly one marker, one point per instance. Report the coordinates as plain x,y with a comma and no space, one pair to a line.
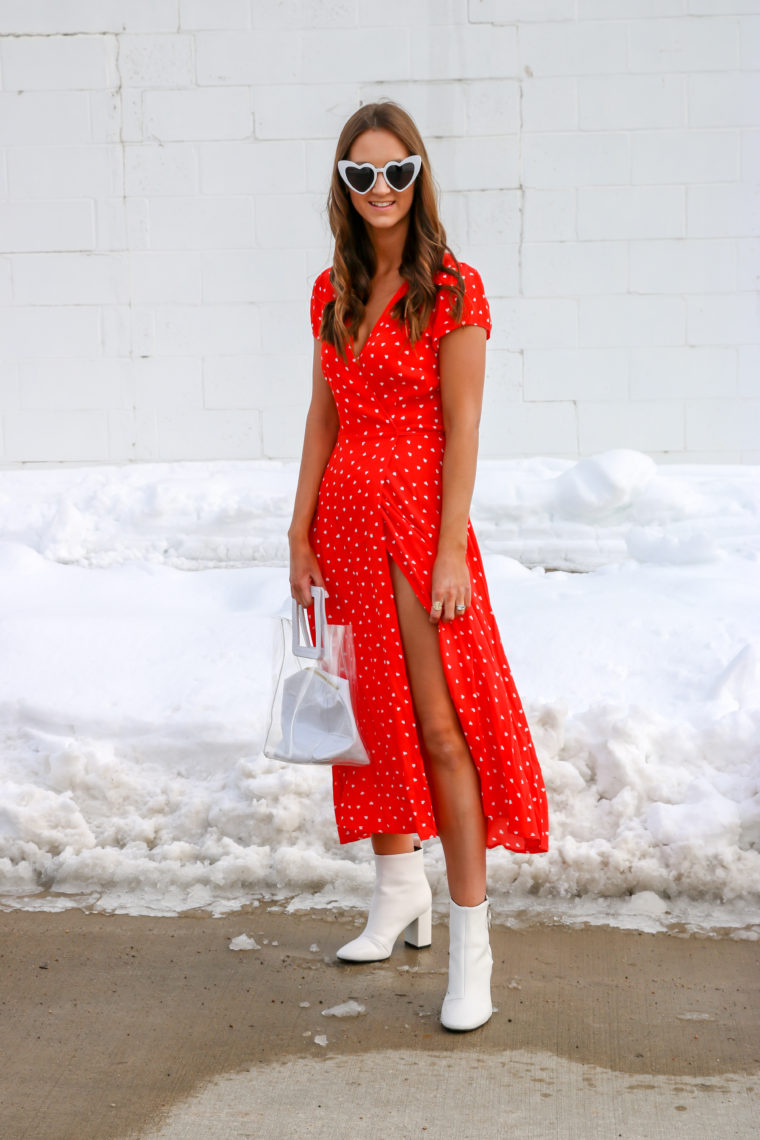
301,626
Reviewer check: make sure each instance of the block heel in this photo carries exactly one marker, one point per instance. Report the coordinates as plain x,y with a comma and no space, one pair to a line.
419,933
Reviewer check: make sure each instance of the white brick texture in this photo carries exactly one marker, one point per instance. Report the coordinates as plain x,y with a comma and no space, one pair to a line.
564,269
75,385
198,113
683,156
690,266
84,172
520,11
612,102
631,321
200,222
50,118
67,224
164,167
73,278
563,47
631,212
724,100
195,15
648,425
44,435
576,374
683,45
19,17
156,61
576,159
59,63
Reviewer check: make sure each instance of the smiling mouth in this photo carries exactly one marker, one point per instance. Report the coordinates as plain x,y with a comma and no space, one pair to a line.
381,205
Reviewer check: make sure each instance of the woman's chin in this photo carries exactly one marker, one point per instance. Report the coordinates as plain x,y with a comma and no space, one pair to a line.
384,219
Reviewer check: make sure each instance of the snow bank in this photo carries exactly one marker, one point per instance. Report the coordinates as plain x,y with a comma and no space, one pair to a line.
542,512
134,695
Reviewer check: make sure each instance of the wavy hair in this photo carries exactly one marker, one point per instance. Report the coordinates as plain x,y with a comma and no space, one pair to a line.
354,261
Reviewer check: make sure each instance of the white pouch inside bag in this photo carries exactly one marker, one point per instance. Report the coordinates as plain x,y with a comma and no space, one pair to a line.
312,717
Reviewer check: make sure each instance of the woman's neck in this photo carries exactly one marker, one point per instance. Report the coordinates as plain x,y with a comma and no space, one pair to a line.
389,248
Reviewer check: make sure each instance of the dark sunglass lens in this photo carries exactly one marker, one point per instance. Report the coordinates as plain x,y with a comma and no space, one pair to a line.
400,174
361,178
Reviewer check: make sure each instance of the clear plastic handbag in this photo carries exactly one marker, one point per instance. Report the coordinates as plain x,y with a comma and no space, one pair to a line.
312,716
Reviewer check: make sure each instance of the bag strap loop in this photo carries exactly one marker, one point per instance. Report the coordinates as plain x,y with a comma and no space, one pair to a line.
300,626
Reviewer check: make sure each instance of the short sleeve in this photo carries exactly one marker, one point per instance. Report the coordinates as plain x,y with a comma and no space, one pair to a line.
320,295
475,307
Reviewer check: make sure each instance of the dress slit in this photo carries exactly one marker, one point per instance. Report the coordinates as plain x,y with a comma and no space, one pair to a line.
393,551
446,672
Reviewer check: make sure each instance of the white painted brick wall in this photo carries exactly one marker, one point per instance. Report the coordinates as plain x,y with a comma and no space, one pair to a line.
163,174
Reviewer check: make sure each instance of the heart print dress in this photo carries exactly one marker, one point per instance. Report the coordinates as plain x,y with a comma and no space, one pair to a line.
380,499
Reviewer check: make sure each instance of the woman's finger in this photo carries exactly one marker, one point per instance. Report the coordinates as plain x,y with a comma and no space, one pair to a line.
447,608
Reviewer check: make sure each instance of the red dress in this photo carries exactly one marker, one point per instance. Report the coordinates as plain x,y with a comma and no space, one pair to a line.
380,498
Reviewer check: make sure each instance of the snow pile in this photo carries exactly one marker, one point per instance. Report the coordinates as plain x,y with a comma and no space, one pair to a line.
543,512
609,507
244,942
348,1008
134,695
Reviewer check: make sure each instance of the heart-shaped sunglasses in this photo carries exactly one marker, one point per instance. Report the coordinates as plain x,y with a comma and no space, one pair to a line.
362,176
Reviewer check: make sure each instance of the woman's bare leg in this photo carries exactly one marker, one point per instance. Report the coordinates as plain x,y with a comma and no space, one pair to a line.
453,778
383,844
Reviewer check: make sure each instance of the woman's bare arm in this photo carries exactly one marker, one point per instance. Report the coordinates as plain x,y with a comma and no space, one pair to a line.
462,362
319,440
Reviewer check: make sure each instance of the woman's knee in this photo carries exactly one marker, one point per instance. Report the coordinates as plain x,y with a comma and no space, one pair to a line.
445,746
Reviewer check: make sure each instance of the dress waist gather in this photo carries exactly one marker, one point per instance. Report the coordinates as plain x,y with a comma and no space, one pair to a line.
356,434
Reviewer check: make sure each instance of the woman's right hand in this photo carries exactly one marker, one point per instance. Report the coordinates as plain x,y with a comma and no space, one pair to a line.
304,571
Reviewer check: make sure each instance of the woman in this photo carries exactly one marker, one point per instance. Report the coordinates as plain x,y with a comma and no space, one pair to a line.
381,520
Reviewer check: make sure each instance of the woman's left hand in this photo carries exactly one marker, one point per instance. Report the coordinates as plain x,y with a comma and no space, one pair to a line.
451,586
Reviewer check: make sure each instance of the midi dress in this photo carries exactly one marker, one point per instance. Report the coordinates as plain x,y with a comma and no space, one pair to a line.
380,499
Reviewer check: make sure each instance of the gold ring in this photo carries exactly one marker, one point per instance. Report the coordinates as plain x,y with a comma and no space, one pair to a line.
437,606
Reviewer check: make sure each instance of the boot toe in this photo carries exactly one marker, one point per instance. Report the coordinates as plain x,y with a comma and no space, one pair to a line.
461,1015
364,949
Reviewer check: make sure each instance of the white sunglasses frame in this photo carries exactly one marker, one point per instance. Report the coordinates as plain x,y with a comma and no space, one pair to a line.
344,163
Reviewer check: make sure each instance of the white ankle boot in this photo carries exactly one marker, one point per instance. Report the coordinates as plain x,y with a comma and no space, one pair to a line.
401,901
468,999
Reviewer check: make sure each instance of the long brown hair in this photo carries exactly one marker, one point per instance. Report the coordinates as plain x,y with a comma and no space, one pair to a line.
354,260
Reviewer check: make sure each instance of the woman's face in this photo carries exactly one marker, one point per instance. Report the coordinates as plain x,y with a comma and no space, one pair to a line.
382,208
